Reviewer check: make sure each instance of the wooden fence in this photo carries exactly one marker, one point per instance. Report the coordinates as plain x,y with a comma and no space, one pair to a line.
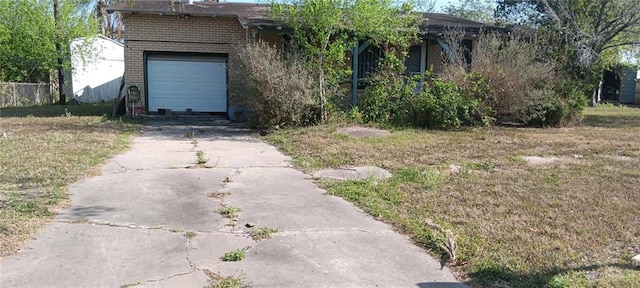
25,94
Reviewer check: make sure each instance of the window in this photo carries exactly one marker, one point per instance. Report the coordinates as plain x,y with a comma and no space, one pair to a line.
414,59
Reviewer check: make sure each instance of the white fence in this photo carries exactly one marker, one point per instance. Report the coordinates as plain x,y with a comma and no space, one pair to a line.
25,94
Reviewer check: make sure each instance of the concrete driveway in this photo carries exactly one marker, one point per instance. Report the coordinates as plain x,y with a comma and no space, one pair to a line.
127,227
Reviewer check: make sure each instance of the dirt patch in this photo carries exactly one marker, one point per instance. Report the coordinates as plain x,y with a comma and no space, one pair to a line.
553,161
537,160
620,158
361,132
354,173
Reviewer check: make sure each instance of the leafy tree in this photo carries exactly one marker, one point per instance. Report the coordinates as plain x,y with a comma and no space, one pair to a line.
27,36
586,35
324,30
476,10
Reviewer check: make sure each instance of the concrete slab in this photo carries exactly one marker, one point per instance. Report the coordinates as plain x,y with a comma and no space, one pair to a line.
338,259
242,154
354,173
174,198
86,255
206,250
147,153
286,198
126,227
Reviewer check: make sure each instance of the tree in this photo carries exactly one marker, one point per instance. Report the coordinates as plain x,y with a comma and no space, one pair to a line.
27,36
323,30
594,26
111,25
589,33
476,10
424,5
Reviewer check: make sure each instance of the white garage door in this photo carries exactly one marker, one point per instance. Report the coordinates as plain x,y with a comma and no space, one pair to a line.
182,82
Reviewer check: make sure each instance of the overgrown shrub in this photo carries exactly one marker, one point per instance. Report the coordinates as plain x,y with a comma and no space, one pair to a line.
277,89
518,83
424,102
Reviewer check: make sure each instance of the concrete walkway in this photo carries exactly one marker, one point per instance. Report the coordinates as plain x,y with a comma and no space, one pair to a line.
127,226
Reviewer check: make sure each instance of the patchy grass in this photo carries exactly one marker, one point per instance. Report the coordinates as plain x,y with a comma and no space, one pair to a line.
44,151
262,233
219,195
571,223
217,280
200,159
229,211
235,255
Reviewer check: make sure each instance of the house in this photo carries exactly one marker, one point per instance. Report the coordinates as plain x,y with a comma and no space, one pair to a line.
182,55
425,55
97,67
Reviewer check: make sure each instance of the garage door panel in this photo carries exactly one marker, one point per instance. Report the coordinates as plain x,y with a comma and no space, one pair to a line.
179,83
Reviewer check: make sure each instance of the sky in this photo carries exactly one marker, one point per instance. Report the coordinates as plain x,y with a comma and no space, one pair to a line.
439,3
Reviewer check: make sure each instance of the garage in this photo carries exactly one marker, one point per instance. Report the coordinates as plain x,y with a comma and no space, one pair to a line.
180,82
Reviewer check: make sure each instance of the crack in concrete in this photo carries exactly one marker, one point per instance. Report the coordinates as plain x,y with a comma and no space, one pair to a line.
186,256
158,280
145,227
286,232
192,265
121,166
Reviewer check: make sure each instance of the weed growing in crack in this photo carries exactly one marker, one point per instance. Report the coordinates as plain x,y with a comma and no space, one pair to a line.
235,255
262,233
200,158
219,281
229,211
81,220
190,234
176,230
218,195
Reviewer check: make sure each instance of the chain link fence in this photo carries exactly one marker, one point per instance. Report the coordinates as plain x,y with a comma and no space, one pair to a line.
25,94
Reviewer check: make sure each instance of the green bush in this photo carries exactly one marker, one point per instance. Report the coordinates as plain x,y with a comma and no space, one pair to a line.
402,100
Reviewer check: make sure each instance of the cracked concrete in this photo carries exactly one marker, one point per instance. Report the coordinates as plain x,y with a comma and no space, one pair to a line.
127,226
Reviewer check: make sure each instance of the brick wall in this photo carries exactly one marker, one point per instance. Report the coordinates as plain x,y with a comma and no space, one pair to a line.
434,56
149,33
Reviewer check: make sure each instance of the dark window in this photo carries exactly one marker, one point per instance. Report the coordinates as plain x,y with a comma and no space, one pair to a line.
413,59
368,61
467,50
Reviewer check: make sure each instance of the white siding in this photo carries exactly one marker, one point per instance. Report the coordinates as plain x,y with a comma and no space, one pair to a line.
98,66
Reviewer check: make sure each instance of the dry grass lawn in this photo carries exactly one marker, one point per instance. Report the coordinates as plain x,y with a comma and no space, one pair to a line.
571,223
43,150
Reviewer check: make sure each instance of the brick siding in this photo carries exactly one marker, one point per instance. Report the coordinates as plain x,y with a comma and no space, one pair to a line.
434,56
